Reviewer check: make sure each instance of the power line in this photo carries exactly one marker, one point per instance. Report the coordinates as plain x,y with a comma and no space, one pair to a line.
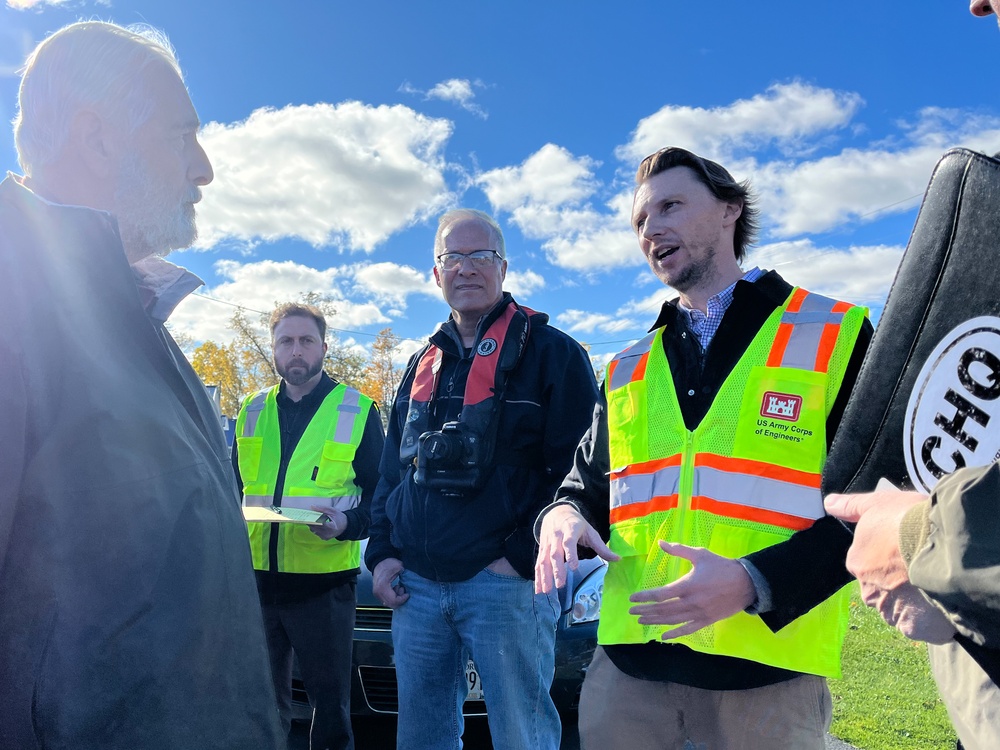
891,205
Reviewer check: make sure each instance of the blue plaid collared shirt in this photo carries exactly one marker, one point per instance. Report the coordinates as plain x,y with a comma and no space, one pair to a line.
704,325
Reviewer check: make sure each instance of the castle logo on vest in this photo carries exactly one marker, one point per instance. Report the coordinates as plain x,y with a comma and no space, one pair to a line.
953,415
781,406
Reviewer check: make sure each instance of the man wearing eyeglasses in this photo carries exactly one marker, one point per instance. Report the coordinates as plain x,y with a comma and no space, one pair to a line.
483,428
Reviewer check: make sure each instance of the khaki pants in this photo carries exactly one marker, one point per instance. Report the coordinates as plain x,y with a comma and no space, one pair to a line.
618,711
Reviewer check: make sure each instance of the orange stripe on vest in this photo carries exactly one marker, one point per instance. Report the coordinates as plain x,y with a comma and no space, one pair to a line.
758,469
756,515
637,510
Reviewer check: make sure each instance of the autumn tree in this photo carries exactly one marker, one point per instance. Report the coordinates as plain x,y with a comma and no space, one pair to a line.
383,371
219,366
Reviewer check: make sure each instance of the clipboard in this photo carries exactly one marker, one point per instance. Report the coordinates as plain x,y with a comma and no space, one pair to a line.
275,514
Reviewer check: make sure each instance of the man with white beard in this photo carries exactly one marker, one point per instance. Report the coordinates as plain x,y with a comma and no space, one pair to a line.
128,611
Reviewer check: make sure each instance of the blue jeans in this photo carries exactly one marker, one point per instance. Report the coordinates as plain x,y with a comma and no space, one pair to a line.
508,631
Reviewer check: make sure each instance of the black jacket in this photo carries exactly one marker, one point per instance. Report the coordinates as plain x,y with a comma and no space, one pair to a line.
548,405
801,572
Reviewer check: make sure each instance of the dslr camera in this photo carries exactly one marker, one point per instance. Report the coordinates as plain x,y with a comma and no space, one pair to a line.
448,460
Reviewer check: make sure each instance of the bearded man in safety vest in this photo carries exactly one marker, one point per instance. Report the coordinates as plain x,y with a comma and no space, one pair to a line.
722,611
482,431
309,443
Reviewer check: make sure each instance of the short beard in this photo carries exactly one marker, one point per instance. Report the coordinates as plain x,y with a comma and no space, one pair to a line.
311,371
695,274
150,221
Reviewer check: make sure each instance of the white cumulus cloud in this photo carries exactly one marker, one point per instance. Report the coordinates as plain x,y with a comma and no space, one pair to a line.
259,285
864,184
460,91
783,115
551,176
393,282
858,274
549,198
347,175
589,323
593,250
522,284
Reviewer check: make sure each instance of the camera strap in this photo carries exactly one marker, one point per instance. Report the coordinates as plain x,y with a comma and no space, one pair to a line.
500,350
497,353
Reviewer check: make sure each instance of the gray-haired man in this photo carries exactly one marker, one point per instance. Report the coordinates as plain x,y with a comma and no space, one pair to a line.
129,616
484,425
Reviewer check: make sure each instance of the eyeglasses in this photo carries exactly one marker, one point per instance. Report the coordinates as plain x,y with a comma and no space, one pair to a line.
479,258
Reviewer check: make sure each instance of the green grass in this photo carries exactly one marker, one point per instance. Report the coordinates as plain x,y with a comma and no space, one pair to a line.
887,699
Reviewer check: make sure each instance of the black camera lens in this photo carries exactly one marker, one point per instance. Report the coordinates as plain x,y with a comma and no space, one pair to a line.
439,447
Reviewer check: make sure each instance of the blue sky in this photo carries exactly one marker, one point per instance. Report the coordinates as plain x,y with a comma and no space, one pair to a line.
339,131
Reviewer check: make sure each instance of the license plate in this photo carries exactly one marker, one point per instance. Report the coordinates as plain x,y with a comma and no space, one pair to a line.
475,684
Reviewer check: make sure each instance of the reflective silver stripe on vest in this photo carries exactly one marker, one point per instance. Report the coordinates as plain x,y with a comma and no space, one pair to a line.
253,410
258,501
628,360
724,486
807,331
639,488
347,412
759,492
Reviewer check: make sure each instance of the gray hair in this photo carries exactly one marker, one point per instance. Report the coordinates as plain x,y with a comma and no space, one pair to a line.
91,64
469,214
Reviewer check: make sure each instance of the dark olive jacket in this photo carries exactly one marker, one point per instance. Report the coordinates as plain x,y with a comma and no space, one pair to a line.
128,612
952,547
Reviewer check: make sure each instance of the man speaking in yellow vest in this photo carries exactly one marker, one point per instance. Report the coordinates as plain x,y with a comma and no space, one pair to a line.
722,613
309,443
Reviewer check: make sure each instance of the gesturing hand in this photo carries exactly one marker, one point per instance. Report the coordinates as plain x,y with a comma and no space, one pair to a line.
875,560
563,528
715,588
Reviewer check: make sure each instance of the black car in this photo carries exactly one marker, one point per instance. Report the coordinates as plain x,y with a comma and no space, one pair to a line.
373,678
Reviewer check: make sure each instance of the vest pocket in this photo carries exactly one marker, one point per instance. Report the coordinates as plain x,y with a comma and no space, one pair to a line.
334,464
248,450
627,407
782,418
631,540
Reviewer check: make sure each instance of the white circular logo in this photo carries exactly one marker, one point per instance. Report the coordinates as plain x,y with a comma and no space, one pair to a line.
486,347
953,415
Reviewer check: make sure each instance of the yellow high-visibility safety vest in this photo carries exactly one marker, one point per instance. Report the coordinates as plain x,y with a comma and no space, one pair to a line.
746,478
320,472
